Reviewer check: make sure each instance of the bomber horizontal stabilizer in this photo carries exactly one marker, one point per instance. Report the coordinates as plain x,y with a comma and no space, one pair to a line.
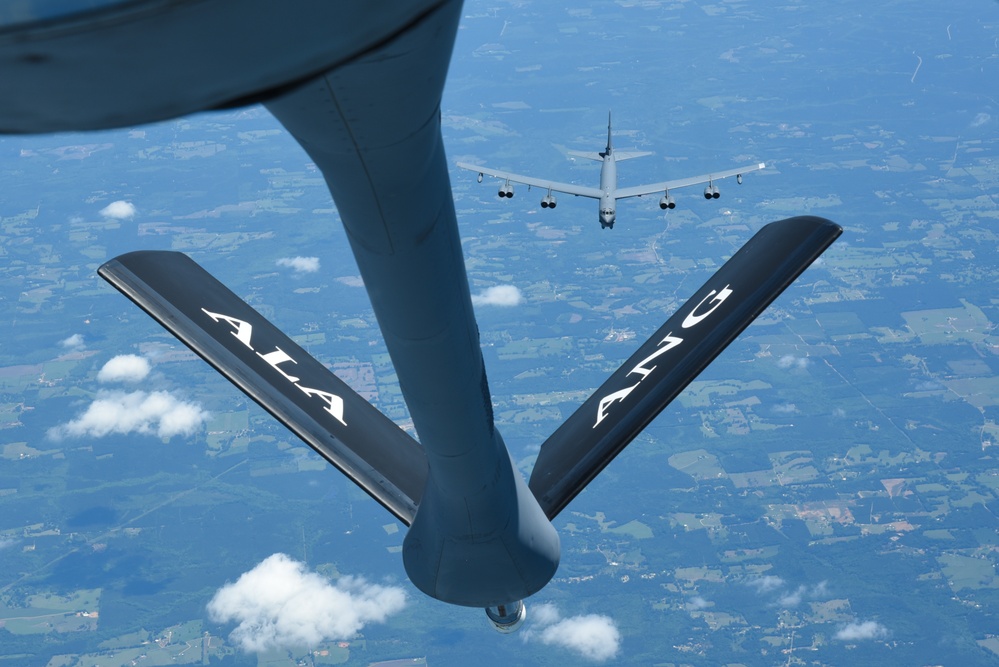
689,340
275,372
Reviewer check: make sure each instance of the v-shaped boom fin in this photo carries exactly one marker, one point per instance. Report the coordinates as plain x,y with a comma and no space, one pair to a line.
674,356
274,371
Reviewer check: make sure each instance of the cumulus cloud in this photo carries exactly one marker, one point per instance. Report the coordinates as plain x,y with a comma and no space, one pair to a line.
697,602
792,598
150,413
593,636
791,361
980,119
545,614
787,597
766,584
74,342
4,543
119,210
861,630
499,295
124,368
280,604
786,408
300,264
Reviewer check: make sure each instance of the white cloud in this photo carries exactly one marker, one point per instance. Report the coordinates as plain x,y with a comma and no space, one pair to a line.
766,584
279,604
860,630
74,342
697,602
545,614
980,119
124,368
351,281
300,264
791,361
157,412
786,408
7,543
593,636
119,210
792,599
788,598
499,295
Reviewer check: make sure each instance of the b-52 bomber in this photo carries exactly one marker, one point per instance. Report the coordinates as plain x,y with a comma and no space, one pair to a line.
608,193
358,83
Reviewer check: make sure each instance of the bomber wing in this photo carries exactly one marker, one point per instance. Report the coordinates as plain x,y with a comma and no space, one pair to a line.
554,186
656,188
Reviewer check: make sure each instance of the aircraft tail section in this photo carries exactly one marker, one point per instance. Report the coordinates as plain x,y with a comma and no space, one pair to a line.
689,340
608,150
277,373
628,155
589,155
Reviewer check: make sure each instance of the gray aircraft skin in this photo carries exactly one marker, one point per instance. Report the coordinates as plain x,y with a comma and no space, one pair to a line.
479,538
479,535
608,193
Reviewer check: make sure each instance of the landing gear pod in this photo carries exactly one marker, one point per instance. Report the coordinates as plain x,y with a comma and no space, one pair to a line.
507,618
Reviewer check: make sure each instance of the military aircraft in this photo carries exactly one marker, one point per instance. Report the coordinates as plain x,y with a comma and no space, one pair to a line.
608,193
358,83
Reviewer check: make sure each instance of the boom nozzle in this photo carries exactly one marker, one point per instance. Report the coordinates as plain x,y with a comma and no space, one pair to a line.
507,618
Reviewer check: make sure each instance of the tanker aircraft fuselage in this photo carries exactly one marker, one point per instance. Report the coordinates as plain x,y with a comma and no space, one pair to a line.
358,84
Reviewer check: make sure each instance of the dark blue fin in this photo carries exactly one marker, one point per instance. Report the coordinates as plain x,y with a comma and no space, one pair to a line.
674,356
277,373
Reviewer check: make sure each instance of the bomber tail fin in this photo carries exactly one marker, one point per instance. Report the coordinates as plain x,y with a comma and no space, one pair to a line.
689,340
275,372
628,155
589,155
609,150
